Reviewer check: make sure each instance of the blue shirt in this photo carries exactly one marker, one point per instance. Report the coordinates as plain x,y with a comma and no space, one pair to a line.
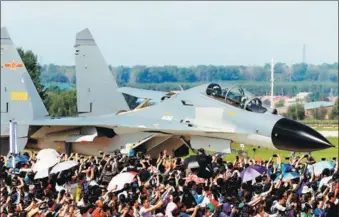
182,214
319,212
198,198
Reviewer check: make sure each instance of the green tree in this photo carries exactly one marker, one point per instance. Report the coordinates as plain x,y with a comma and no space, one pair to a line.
319,113
280,103
334,112
31,63
62,103
296,112
299,72
280,68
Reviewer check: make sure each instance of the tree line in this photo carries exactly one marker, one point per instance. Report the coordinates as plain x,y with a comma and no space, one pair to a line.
63,103
289,79
204,73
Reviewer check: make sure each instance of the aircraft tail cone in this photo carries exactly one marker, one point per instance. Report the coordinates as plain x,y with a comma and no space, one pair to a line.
294,136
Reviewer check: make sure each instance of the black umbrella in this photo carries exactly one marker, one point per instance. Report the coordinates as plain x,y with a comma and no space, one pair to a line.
201,164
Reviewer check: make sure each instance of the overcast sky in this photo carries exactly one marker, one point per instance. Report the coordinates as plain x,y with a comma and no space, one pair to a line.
178,33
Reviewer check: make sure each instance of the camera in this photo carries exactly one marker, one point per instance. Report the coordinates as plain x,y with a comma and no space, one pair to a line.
274,155
140,155
14,181
335,177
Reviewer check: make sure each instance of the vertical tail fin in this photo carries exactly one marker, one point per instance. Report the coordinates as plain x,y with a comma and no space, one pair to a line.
96,86
19,97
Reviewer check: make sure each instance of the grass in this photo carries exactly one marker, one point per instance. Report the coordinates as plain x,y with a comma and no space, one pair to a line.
326,128
265,153
319,122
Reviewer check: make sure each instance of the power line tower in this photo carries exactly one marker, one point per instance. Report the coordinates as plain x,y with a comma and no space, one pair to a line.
272,83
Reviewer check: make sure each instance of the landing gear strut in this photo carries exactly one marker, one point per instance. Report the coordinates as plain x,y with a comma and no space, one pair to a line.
188,144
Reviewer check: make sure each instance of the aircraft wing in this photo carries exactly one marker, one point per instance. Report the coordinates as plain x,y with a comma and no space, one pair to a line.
125,123
141,93
218,139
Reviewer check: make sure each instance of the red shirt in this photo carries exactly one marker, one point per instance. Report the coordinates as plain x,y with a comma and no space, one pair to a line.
96,212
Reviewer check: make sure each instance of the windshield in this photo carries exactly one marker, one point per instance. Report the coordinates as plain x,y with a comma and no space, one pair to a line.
236,96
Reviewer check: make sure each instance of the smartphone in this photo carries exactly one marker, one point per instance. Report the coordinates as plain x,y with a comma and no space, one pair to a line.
274,155
287,158
221,199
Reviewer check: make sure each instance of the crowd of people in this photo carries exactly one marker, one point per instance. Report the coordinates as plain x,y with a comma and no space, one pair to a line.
164,186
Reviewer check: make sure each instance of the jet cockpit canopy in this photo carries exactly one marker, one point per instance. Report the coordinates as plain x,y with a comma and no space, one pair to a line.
236,96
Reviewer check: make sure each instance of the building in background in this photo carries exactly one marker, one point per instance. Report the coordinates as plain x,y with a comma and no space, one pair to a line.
312,107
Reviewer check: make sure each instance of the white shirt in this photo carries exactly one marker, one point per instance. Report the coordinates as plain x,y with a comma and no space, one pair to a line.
81,203
58,188
324,181
280,207
205,202
169,208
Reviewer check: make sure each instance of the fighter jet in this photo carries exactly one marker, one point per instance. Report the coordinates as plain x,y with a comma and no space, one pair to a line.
208,116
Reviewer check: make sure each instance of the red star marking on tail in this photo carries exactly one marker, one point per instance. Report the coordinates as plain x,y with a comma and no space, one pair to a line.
13,65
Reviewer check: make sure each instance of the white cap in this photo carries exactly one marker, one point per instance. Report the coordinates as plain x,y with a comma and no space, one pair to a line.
305,189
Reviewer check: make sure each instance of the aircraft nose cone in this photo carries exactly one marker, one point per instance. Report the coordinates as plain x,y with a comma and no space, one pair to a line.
294,136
